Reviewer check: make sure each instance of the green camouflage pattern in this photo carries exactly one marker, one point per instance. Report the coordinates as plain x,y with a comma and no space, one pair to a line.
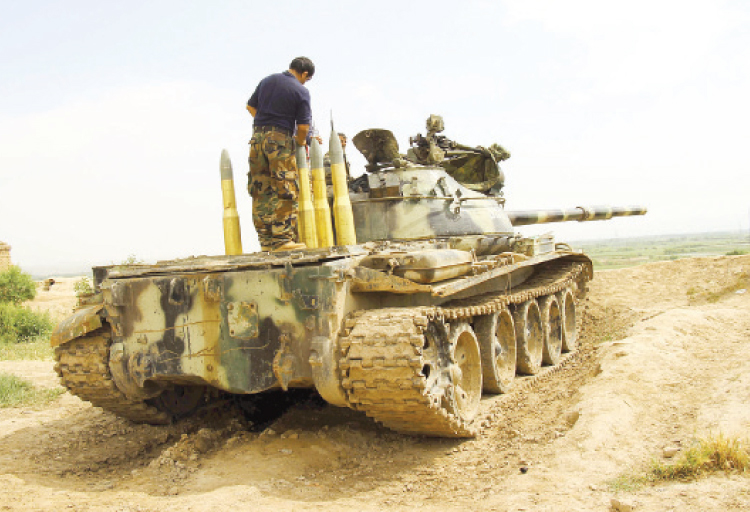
273,183
477,171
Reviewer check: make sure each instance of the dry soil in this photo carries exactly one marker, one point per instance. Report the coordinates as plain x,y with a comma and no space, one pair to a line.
659,366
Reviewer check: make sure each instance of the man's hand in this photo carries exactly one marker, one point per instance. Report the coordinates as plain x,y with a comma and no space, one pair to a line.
301,137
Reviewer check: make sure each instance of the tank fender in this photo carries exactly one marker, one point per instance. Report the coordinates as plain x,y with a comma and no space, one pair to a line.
82,322
425,266
368,280
325,370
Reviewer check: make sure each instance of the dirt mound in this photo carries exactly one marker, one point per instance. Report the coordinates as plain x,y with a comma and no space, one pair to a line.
664,358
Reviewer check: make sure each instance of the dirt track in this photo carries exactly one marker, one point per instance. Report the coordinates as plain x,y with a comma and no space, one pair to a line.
666,367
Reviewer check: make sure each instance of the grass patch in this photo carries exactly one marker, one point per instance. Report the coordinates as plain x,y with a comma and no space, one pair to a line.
706,456
33,349
717,453
15,392
627,483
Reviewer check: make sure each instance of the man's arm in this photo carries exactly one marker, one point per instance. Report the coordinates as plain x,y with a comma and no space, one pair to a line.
252,110
301,137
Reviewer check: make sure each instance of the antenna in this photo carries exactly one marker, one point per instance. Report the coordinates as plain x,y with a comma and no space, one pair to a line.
332,120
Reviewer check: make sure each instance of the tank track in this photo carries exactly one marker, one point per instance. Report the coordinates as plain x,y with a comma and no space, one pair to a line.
83,367
382,354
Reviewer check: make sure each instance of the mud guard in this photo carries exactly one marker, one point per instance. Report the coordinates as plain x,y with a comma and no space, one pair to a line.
83,321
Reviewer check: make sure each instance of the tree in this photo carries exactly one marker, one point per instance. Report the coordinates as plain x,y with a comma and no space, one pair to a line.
16,286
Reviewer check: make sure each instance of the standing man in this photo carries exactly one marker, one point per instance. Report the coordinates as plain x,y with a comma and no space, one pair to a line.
279,104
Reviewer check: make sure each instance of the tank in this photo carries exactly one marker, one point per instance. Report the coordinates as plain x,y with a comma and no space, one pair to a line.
438,302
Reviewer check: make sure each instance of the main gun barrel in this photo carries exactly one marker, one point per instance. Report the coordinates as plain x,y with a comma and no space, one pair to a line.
579,213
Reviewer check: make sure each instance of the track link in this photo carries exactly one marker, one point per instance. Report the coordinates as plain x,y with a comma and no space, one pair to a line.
383,367
384,354
83,367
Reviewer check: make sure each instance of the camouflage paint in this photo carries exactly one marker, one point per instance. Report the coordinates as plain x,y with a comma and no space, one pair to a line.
580,213
242,332
424,203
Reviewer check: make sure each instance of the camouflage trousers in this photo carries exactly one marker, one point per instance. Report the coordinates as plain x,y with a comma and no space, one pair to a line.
273,183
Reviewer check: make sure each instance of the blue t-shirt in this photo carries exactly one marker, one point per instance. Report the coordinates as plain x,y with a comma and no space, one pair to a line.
280,100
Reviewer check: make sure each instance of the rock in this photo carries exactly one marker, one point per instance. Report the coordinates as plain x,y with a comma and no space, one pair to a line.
202,444
622,506
571,417
285,451
670,451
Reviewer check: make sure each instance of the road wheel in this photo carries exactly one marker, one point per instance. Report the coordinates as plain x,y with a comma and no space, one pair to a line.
553,330
465,372
530,337
567,302
497,340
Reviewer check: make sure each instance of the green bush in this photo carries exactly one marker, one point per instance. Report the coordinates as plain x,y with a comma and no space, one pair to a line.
18,323
83,287
16,286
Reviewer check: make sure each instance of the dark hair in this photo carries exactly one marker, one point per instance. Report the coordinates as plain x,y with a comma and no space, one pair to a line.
302,64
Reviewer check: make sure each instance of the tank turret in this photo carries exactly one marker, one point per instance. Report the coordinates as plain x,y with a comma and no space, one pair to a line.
408,200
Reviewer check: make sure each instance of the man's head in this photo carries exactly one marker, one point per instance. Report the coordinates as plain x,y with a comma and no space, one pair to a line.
342,138
302,68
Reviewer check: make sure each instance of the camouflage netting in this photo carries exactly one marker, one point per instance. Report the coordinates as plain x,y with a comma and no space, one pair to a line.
5,262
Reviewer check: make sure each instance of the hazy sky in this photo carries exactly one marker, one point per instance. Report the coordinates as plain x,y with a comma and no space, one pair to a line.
113,115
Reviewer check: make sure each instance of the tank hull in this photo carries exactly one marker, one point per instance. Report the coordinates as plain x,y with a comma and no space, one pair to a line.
438,302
